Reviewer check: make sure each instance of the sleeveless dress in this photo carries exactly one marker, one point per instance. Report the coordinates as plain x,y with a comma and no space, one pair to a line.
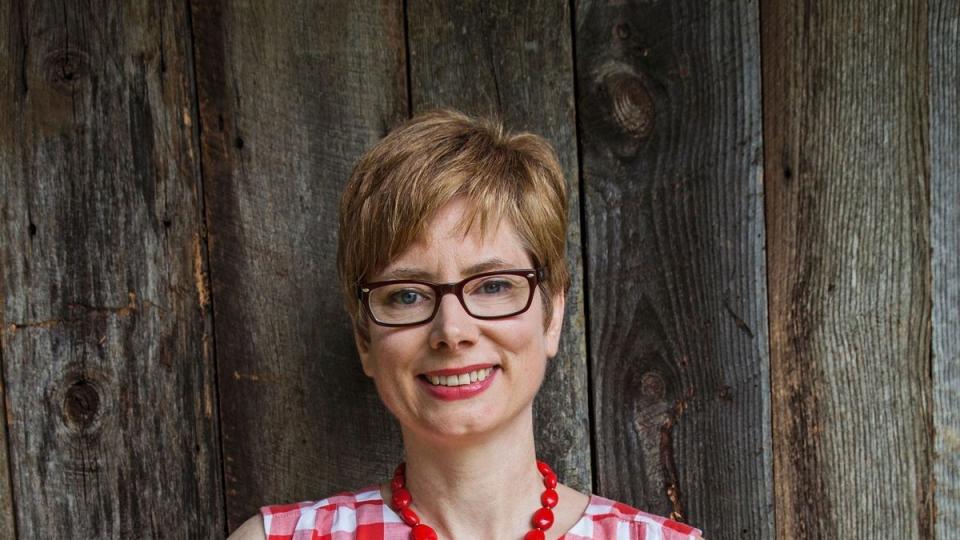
363,515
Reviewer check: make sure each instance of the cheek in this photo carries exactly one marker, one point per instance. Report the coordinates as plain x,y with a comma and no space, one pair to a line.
395,348
524,337
391,355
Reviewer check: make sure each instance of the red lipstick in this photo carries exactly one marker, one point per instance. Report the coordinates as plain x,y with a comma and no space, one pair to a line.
453,393
457,371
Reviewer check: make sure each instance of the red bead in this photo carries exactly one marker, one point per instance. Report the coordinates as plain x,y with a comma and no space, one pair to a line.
534,535
400,470
542,519
409,517
550,481
544,468
402,498
396,483
549,498
422,532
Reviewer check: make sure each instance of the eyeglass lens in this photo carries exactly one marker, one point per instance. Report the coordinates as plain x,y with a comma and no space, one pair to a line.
498,295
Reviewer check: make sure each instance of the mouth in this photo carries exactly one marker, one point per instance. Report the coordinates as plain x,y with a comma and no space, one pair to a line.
458,377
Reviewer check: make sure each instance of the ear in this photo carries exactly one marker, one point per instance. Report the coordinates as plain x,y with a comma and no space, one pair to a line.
363,350
552,332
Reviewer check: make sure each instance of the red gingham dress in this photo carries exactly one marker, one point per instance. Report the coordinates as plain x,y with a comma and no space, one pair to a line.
363,515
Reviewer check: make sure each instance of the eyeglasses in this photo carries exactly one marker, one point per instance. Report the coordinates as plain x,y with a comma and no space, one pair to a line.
490,295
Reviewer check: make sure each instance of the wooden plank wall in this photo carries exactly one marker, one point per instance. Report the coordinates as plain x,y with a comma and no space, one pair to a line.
848,245
944,41
111,412
173,349
669,109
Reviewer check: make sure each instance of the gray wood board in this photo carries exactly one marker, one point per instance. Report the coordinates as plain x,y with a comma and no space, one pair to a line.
289,99
110,391
670,127
848,247
944,28
513,60
11,63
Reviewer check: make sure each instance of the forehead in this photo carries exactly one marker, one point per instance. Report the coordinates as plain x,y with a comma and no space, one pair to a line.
450,247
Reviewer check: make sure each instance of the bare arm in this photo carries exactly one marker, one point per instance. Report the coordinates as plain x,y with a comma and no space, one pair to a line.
252,529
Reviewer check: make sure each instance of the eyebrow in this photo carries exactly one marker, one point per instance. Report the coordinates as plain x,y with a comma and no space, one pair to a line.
494,263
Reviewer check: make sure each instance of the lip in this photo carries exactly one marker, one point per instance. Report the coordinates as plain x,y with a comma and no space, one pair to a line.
457,371
454,393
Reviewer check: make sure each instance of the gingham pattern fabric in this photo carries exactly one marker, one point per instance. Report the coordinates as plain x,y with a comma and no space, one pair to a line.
363,515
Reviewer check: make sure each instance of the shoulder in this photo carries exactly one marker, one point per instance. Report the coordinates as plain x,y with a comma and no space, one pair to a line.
606,518
252,529
346,511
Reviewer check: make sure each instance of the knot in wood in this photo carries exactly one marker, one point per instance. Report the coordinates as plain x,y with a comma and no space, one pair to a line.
631,105
81,403
621,30
653,386
66,69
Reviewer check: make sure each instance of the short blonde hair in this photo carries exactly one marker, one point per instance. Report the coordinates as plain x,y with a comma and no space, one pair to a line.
399,185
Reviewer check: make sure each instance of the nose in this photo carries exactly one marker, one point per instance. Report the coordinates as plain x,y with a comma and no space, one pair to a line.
453,328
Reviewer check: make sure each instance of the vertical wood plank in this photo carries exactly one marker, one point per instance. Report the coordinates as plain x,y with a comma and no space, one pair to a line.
289,99
7,520
11,51
669,114
111,405
513,60
845,108
944,28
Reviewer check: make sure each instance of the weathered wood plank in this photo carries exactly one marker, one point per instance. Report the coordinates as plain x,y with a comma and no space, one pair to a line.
845,107
513,60
944,28
289,99
7,521
669,113
111,404
11,48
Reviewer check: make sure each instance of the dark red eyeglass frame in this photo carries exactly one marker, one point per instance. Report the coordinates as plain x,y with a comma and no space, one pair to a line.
534,276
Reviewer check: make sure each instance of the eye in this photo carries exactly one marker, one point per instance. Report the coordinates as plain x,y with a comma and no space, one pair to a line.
495,286
405,297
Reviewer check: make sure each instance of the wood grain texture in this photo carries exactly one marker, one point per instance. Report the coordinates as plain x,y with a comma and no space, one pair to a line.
111,404
944,28
848,245
669,115
11,63
289,99
513,60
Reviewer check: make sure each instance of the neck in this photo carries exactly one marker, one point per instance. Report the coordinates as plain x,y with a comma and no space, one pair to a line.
488,487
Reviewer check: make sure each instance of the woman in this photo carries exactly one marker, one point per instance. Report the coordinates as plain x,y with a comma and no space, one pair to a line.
451,260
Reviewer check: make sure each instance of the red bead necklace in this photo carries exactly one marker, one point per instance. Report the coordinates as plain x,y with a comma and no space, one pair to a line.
541,521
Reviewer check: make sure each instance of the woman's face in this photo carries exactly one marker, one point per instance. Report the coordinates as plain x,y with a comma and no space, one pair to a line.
401,360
